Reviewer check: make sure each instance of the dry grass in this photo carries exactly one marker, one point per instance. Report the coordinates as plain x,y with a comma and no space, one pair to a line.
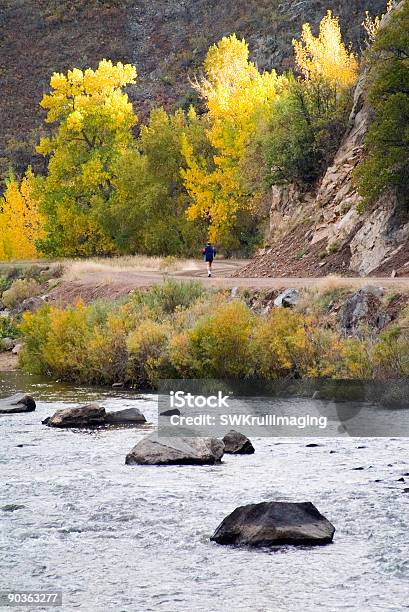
77,269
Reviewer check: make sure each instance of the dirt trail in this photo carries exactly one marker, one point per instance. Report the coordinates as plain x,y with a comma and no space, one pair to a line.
114,283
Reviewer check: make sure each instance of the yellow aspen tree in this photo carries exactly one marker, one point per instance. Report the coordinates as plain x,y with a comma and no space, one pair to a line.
21,223
325,59
237,96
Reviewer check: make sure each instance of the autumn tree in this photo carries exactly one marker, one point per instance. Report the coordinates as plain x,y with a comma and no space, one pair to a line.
147,212
308,121
328,66
21,224
386,166
93,121
237,96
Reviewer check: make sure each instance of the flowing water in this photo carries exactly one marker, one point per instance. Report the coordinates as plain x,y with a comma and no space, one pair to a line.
136,538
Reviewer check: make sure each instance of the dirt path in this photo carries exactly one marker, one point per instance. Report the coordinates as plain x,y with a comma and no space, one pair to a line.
114,283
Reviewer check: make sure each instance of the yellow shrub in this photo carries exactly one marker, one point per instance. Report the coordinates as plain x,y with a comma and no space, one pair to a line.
107,352
147,346
219,344
68,338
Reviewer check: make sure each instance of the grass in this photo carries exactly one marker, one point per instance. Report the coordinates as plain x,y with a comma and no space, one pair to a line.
77,269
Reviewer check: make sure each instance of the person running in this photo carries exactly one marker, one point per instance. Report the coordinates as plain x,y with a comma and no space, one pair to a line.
209,253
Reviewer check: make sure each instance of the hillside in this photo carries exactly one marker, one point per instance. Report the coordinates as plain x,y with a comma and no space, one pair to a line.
166,40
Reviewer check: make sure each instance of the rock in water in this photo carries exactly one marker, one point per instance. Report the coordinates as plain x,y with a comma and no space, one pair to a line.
124,417
171,412
86,416
153,450
275,523
16,404
236,443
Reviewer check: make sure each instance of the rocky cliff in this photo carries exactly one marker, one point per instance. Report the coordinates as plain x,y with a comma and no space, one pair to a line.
166,39
330,233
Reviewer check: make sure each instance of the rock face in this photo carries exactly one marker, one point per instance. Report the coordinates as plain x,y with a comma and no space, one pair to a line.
31,304
123,417
87,416
275,523
287,299
175,451
372,237
16,404
364,306
236,443
93,415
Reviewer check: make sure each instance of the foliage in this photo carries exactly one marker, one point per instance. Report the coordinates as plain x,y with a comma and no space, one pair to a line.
387,142
7,328
147,212
149,336
218,346
167,297
308,120
21,223
148,356
326,64
94,121
20,290
237,97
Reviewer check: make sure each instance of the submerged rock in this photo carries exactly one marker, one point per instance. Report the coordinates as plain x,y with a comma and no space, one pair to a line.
86,416
171,412
12,507
124,417
153,450
275,523
236,443
17,403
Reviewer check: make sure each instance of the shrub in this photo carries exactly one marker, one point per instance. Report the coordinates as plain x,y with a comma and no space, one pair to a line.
34,329
219,345
107,353
7,328
20,290
147,346
168,296
391,354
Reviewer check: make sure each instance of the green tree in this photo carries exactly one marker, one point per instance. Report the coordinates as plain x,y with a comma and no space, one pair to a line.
387,142
147,212
93,121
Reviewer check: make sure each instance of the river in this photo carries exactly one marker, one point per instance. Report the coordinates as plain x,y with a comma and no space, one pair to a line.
136,538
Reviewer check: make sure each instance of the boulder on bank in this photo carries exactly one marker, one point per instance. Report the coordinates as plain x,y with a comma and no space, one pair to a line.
275,523
287,299
125,417
91,415
17,403
236,443
153,450
363,307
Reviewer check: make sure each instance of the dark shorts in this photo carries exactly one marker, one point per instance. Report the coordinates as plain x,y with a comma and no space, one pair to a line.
209,259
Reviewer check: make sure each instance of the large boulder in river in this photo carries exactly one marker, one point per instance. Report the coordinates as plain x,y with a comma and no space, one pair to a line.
275,523
128,416
236,443
153,450
91,415
17,403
